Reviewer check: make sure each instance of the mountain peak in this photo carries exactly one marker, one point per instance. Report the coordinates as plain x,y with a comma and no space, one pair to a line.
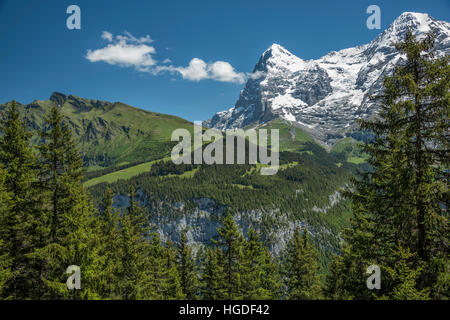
419,23
413,15
415,20
58,98
275,50
276,57
275,46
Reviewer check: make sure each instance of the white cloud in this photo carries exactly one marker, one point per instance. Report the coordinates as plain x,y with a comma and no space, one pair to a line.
256,75
223,71
196,70
128,51
128,37
107,36
199,70
125,50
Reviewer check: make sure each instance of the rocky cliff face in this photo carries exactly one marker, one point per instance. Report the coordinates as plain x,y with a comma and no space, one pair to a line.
325,96
202,217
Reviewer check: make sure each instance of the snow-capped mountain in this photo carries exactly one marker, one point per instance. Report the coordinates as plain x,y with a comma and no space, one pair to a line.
325,96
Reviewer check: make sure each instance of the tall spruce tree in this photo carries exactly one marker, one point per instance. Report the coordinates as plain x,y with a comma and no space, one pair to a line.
260,279
187,269
109,231
301,269
134,260
71,229
213,276
157,281
23,224
232,243
402,201
172,287
6,273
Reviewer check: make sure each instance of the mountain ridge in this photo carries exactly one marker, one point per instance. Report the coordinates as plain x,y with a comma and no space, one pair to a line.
109,133
325,96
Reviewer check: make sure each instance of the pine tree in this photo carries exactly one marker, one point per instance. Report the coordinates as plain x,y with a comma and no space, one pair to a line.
134,250
271,280
259,272
22,230
109,232
346,278
403,199
156,281
337,279
5,270
6,273
71,233
403,277
172,288
213,276
302,269
187,268
231,240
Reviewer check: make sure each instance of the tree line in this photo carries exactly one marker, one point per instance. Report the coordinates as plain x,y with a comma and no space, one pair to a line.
48,222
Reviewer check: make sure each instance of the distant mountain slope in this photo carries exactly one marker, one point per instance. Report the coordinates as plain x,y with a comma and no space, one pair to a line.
304,192
292,139
110,134
325,96
195,198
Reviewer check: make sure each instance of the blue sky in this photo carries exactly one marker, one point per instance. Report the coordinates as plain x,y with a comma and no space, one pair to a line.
147,66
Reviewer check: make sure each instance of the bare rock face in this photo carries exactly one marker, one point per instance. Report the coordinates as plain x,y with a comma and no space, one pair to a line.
325,96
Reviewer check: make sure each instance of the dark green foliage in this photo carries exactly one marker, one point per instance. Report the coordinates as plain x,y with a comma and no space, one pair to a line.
6,273
22,224
301,268
232,243
303,182
260,278
187,269
172,288
48,217
400,206
139,267
132,251
239,268
69,229
403,276
110,242
213,276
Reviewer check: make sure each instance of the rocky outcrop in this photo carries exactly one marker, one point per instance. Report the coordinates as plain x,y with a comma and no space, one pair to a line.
203,216
325,96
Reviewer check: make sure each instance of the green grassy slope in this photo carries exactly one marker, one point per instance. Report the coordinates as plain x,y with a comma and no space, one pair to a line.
110,134
291,139
348,149
123,174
